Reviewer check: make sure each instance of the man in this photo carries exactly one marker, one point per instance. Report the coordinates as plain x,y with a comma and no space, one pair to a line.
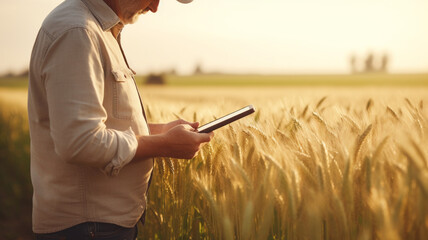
91,147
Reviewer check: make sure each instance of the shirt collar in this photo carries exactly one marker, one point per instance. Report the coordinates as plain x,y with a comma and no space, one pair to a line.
103,13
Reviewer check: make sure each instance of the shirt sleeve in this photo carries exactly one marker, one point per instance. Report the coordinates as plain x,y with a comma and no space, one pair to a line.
73,76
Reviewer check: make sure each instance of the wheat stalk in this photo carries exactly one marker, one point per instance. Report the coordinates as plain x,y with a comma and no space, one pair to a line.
360,140
389,110
369,105
320,102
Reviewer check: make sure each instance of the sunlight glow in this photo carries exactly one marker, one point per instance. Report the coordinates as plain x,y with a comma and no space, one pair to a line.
249,36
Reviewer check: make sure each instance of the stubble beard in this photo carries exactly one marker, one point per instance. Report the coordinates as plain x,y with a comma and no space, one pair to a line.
133,18
129,15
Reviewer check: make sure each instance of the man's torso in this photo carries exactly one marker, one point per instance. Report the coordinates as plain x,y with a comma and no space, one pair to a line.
67,194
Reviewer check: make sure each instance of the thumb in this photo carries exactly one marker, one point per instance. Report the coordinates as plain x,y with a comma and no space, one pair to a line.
194,125
205,137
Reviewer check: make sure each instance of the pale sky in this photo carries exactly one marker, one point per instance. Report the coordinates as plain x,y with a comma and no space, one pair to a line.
248,36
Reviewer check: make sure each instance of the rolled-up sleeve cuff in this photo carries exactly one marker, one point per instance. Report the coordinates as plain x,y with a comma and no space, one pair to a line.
126,148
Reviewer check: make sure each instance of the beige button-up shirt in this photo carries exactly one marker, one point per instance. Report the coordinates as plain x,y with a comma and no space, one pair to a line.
84,112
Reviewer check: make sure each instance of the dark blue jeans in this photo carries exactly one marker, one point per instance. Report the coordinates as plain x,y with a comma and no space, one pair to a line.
92,230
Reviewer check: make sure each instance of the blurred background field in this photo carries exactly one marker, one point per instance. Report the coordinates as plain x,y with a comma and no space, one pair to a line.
316,161
237,80
298,80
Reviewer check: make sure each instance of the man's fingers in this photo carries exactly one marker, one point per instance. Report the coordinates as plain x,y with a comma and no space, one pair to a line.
182,121
188,127
195,125
205,137
197,137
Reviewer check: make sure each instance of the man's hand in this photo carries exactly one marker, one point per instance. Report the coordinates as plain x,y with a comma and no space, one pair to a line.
160,128
177,139
183,141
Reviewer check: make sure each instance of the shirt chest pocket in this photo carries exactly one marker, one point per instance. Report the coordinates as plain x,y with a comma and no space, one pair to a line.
126,100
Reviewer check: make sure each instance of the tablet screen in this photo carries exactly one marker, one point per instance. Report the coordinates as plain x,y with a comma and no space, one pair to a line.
231,117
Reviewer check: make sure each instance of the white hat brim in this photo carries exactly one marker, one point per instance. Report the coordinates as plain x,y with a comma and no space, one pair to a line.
185,1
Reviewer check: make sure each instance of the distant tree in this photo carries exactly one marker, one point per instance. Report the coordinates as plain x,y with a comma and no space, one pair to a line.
24,73
13,74
384,63
368,64
198,69
156,79
8,75
371,64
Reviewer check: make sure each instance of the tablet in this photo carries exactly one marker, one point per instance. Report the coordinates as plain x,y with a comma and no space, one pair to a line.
231,117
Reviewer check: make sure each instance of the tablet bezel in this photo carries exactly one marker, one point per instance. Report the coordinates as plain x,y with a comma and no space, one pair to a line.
227,119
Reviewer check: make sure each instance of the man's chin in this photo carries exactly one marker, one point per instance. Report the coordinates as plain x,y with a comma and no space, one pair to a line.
131,20
135,18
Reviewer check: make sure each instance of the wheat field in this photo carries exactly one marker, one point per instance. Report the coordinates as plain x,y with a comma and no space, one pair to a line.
311,163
